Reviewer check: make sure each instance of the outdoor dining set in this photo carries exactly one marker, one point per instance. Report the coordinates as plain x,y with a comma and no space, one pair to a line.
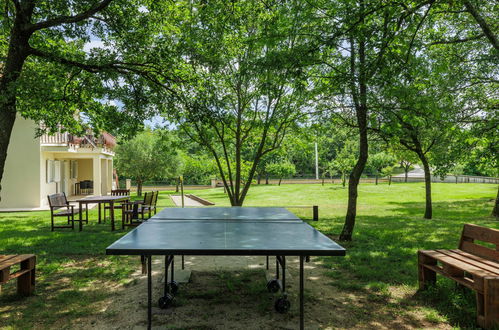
132,212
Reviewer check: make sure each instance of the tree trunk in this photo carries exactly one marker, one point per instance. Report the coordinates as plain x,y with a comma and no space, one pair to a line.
495,211
259,179
376,179
139,188
406,170
323,181
389,180
456,178
267,179
427,181
280,179
343,179
177,182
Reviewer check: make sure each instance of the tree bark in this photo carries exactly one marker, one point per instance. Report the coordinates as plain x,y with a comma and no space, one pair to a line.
280,179
343,179
495,211
427,181
406,170
139,187
376,179
389,180
267,179
259,179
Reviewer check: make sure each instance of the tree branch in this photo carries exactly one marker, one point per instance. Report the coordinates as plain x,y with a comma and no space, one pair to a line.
69,19
483,24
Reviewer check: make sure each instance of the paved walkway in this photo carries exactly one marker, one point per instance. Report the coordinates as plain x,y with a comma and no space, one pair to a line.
177,200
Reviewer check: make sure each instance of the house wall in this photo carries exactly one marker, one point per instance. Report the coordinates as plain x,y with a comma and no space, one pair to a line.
45,187
21,177
85,171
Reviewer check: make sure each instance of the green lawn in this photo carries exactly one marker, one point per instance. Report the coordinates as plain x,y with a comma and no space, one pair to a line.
73,271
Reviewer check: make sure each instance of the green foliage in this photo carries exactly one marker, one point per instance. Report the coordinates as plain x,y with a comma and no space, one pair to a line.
381,163
149,155
198,169
345,160
281,170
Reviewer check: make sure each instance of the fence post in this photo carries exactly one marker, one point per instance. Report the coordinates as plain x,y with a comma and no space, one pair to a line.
316,212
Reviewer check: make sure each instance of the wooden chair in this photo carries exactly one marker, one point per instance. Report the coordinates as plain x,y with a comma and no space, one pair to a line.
116,192
132,210
473,265
59,202
152,206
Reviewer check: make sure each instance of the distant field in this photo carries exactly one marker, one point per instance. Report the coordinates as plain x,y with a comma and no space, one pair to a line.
375,283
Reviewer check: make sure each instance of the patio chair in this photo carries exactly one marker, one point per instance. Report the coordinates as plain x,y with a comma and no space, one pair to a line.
152,206
132,210
59,203
116,192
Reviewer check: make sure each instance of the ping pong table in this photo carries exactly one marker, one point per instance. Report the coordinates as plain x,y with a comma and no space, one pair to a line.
223,231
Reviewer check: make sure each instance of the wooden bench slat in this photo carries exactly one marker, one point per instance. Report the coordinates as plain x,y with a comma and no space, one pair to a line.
489,235
16,260
6,257
480,250
457,263
493,270
484,261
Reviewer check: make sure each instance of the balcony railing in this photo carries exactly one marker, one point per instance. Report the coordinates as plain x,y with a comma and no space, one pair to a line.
105,140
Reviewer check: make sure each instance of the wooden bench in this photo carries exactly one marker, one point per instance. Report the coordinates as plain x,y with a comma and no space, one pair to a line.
25,274
472,265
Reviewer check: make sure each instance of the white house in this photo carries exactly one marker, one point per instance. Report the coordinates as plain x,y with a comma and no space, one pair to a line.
37,167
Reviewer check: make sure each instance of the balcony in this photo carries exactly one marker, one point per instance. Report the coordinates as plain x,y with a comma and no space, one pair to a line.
64,139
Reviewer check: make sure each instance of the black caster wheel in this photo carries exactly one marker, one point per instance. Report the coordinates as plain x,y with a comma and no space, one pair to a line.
166,301
273,285
282,305
173,287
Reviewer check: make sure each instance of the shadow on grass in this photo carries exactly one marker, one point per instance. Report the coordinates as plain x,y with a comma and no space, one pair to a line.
384,252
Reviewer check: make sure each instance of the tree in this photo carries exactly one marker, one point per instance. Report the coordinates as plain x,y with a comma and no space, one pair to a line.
405,159
46,75
345,160
197,169
281,170
379,163
388,171
243,87
358,35
149,155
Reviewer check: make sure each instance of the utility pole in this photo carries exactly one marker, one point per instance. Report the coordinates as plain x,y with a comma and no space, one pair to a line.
316,162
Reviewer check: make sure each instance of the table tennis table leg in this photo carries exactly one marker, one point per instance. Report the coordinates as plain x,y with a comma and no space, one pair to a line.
301,293
149,292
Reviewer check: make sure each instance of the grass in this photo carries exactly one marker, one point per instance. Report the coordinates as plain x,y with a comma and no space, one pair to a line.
73,272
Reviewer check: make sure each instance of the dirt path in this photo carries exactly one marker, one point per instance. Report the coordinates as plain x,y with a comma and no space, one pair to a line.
230,293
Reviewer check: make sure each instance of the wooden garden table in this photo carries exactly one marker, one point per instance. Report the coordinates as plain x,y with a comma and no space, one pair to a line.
101,200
